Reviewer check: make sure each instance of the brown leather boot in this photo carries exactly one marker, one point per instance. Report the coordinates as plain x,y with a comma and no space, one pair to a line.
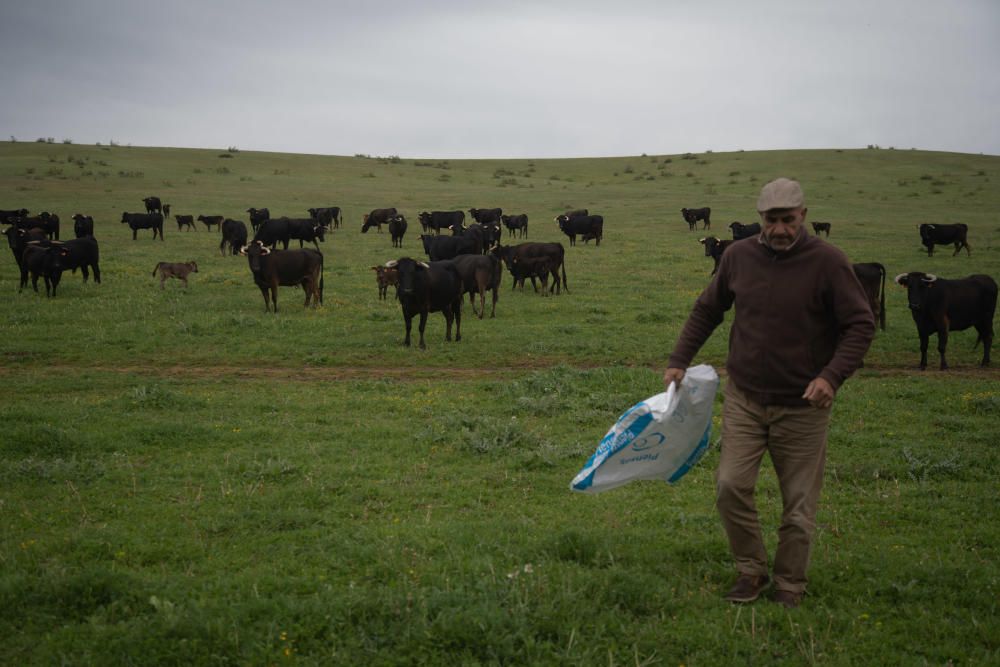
747,588
788,599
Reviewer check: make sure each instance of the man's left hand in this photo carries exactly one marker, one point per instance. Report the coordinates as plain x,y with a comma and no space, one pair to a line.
819,393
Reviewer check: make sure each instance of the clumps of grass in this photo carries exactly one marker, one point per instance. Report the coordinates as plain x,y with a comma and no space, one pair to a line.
222,170
481,434
154,396
444,178
131,174
628,169
282,172
500,173
40,440
436,165
922,469
508,182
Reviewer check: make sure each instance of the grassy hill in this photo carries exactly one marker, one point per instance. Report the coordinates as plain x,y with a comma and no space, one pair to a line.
187,479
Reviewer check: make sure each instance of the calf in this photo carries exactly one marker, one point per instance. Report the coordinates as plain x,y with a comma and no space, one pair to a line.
185,220
427,288
741,231
83,225
537,267
384,279
714,249
871,275
234,233
693,215
274,268
166,210
479,274
939,306
179,270
931,235
137,221
511,255
397,229
210,220
821,227
516,223
8,216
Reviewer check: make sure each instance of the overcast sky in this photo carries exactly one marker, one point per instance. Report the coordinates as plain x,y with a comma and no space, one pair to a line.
540,78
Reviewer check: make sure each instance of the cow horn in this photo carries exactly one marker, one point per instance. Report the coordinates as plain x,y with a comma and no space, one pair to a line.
898,278
929,277
265,250
701,240
424,264
243,250
391,264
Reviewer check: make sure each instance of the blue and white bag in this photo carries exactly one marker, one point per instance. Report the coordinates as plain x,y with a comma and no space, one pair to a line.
659,438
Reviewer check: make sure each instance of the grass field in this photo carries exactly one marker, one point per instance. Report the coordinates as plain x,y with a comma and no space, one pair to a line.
187,479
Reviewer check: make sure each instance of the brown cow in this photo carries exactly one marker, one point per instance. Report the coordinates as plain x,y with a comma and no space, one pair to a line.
179,270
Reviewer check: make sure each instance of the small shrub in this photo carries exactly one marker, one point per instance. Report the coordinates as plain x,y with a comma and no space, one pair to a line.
628,169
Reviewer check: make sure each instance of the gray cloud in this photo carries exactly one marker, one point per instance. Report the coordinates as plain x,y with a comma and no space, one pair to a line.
469,79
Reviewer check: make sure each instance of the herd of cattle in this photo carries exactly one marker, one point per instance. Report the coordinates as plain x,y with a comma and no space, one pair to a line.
468,261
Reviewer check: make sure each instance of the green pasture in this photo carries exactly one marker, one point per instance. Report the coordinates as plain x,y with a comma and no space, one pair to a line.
186,479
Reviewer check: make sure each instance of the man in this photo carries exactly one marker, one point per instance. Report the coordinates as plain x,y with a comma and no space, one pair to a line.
802,327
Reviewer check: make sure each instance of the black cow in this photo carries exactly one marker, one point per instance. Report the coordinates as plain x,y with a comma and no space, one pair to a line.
931,235
537,267
438,220
572,214
516,223
306,230
82,253
18,240
447,247
588,226
714,249
139,221
821,227
477,232
153,205
166,210
491,236
479,273
512,255
939,306
397,229
328,216
427,288
183,220
741,231
485,215
258,216
272,232
50,224
83,225
8,216
234,232
274,268
210,220
871,275
41,261
376,218
693,215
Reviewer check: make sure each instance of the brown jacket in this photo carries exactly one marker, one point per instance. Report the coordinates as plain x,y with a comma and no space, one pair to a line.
800,314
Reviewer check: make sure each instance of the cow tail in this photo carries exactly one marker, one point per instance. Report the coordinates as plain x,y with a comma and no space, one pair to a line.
563,264
321,282
881,312
156,268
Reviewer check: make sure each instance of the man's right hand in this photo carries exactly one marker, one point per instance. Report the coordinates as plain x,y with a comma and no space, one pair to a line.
672,375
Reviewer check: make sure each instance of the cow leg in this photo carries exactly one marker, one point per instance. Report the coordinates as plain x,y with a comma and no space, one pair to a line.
924,340
458,319
423,325
408,319
493,313
185,279
134,233
163,279
97,274
482,302
448,318
267,303
942,344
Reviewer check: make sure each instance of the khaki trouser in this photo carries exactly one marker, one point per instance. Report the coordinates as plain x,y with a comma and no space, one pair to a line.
795,438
